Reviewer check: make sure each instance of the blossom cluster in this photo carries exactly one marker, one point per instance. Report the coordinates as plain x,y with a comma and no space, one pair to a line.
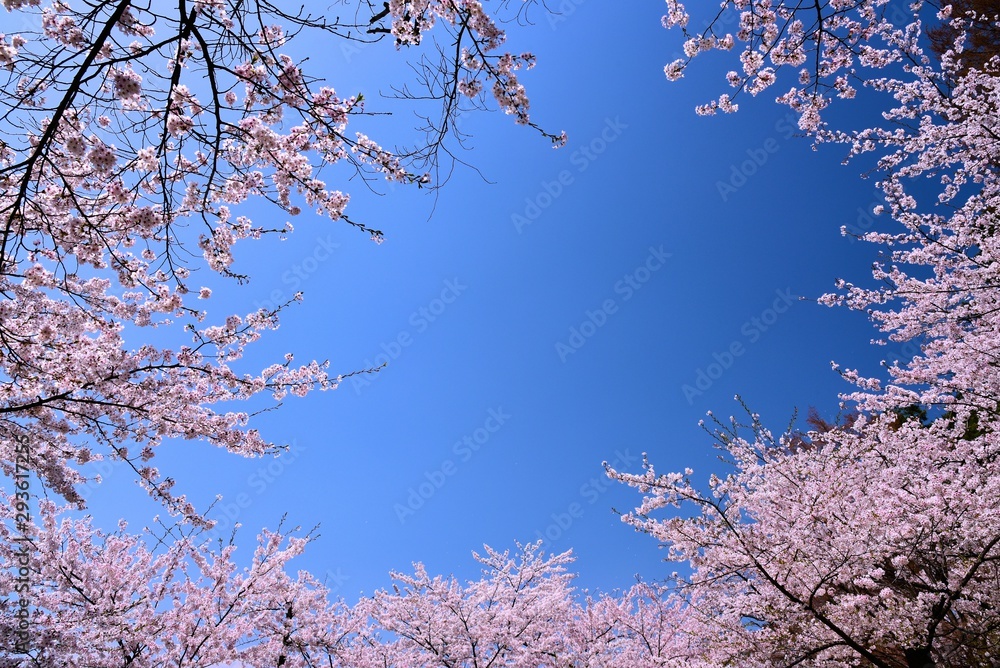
8,50
828,46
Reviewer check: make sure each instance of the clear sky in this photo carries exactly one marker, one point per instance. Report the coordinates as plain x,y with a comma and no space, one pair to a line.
566,307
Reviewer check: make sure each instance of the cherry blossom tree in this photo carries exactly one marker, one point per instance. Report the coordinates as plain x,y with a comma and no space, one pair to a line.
166,598
133,137
875,543
937,287
523,613
130,136
516,615
162,598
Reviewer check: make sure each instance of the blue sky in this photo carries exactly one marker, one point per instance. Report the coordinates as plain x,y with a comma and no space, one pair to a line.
573,306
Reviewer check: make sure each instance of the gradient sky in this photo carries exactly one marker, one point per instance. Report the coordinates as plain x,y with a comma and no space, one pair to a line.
550,311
